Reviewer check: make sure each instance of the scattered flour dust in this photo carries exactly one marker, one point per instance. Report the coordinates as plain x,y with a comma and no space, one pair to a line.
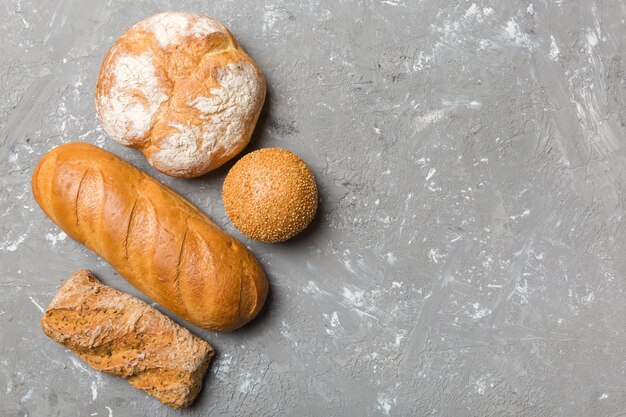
481,383
385,402
12,245
348,265
477,13
391,258
554,50
37,304
478,312
249,382
314,290
310,288
285,331
588,299
515,35
50,237
333,320
95,383
78,365
455,31
400,335
522,215
354,299
424,121
353,294
272,16
222,367
28,395
435,256
592,38
422,61
94,390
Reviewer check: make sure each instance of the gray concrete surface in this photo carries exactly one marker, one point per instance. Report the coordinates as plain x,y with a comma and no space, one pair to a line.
468,257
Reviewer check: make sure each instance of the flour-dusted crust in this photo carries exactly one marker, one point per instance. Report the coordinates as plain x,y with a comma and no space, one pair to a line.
121,335
179,88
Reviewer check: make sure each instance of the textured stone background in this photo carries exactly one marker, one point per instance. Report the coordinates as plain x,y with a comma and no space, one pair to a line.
468,257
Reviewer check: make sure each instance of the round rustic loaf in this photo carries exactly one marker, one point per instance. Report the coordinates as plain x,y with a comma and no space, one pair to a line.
179,88
270,195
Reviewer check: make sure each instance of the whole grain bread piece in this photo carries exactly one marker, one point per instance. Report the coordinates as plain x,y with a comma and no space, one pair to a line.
121,335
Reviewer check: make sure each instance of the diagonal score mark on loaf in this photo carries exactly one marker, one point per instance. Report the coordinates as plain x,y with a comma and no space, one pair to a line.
89,208
247,293
128,228
240,295
197,283
76,202
145,234
179,296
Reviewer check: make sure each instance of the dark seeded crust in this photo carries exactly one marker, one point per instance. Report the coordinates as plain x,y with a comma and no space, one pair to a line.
121,335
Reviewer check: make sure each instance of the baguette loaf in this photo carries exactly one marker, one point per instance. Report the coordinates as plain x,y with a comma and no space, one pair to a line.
158,241
121,335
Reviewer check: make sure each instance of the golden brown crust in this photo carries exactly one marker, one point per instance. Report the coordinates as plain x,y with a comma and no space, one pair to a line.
121,335
178,87
158,241
270,195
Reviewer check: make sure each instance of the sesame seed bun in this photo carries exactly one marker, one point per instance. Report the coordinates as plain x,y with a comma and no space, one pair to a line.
270,195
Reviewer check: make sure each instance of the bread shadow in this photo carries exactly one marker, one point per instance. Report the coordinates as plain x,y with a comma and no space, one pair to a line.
305,239
205,396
